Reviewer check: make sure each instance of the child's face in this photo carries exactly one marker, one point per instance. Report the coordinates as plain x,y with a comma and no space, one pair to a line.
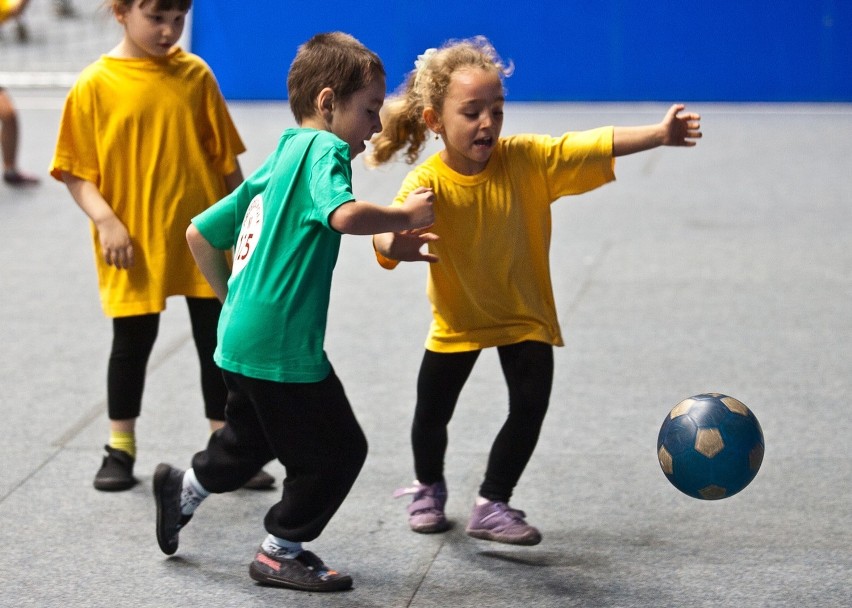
149,32
356,120
471,120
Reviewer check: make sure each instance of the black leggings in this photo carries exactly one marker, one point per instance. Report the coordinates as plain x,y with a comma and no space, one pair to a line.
312,431
132,343
528,369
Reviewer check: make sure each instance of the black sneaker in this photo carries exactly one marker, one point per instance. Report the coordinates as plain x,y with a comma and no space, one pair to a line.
168,484
116,472
305,572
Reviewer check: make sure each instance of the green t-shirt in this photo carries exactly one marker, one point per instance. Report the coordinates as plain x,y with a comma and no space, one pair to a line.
273,321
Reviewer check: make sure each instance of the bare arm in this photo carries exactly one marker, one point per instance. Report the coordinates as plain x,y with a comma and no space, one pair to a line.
676,129
234,179
360,217
114,238
211,261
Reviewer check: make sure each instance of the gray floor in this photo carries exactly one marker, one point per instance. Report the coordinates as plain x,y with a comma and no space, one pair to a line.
725,268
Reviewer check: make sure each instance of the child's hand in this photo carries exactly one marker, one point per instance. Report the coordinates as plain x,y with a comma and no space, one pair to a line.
116,245
407,246
418,204
680,129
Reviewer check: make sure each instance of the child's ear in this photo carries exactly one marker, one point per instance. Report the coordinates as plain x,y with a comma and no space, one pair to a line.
119,11
432,119
325,103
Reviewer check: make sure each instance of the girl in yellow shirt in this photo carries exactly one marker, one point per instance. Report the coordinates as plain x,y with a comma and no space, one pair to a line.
489,278
145,144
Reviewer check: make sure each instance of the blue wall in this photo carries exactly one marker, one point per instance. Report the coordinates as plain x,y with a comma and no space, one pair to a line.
569,50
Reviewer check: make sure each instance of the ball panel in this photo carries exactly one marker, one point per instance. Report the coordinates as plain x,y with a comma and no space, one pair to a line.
677,434
709,412
755,458
735,405
665,460
682,408
712,493
708,442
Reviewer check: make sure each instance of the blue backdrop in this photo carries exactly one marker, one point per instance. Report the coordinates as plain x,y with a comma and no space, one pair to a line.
569,50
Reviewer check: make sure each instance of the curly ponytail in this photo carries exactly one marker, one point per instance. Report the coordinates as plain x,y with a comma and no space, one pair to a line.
403,124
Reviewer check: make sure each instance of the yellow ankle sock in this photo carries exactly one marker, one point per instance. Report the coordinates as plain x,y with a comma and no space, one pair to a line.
124,441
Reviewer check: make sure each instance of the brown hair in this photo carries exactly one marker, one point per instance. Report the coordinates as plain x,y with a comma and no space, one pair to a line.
426,86
335,60
160,5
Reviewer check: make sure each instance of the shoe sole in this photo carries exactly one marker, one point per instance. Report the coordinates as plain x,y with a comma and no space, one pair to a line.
506,540
431,528
161,474
339,584
115,486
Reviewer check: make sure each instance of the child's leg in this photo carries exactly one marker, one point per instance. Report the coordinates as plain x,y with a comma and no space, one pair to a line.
312,430
204,316
528,368
8,131
132,342
439,383
237,451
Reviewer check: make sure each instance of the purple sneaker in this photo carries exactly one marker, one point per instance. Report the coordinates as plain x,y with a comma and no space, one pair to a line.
426,511
499,522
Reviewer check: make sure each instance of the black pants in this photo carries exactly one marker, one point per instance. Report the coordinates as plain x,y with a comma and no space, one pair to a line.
132,343
309,428
528,369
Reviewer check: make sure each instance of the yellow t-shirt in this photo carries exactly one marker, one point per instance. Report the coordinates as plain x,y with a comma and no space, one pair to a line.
492,285
156,138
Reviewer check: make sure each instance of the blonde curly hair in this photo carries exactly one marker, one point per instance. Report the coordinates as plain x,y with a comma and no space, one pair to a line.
426,87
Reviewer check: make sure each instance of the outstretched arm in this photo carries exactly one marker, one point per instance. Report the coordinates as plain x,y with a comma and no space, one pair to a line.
676,129
360,217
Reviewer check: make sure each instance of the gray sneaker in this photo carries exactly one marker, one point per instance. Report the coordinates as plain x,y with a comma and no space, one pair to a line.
499,522
426,511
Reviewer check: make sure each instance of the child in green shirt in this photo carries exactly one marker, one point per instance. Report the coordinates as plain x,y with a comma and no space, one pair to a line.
284,225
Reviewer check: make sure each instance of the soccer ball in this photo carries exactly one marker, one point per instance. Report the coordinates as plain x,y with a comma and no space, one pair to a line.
710,446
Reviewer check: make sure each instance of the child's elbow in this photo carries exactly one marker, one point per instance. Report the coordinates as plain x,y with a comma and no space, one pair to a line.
344,219
193,236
